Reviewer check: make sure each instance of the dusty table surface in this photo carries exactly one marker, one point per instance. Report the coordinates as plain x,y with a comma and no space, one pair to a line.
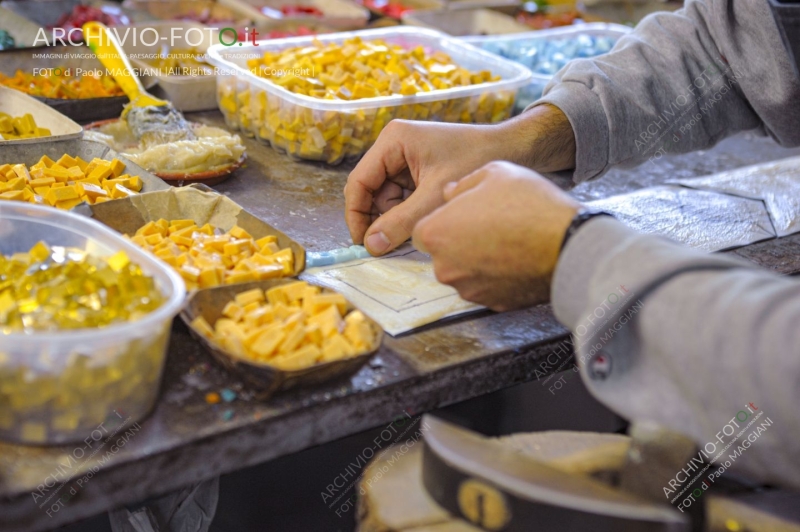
186,439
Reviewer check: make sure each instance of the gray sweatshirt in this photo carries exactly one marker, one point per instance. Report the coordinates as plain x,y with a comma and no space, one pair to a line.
702,344
680,82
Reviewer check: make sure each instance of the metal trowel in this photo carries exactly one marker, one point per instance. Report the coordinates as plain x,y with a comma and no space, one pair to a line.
151,120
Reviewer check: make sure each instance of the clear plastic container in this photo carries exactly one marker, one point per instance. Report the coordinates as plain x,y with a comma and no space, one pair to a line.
330,130
59,387
505,45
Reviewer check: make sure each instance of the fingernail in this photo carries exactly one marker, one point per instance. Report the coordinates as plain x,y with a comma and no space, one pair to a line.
377,243
449,188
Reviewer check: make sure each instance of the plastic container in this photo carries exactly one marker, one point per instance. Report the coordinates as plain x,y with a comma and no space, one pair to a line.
59,387
338,14
261,108
16,103
507,45
187,93
460,22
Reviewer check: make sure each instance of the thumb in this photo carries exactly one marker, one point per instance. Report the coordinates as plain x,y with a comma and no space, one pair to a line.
396,225
469,181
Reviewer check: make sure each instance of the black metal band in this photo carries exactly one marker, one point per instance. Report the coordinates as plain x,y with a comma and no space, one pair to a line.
497,509
582,216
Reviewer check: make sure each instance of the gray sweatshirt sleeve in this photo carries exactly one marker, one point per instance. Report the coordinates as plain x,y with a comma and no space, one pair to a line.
680,82
697,343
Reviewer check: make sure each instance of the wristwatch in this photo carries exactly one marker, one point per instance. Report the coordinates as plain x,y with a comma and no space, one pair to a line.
581,217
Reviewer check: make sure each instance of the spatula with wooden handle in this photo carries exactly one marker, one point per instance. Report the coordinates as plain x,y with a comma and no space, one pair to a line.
151,120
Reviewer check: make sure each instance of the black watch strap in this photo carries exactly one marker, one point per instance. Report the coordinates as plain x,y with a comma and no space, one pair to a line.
581,217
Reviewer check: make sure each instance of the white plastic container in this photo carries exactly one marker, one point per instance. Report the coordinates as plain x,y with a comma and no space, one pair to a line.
463,21
59,387
261,108
338,14
538,82
187,93
16,103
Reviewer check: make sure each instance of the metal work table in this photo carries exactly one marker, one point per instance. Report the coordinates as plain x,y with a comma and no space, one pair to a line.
186,439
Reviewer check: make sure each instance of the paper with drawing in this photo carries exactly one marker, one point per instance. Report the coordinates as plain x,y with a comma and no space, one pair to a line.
399,290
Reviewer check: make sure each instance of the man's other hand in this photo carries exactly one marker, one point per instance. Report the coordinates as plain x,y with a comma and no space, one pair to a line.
497,238
401,178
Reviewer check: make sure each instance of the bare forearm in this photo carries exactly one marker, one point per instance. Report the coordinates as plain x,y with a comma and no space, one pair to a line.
541,139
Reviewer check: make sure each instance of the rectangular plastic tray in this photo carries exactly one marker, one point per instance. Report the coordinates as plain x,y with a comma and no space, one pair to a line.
16,103
533,90
261,108
57,387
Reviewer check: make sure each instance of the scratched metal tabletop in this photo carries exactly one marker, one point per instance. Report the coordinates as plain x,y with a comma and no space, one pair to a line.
187,439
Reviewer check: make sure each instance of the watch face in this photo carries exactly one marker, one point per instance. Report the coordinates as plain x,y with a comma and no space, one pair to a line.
600,366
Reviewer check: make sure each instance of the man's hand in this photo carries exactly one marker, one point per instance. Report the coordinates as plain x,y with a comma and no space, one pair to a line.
402,176
400,179
498,237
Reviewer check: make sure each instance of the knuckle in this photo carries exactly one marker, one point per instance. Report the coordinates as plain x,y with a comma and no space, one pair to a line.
470,294
424,235
394,126
406,223
495,167
449,275
444,275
